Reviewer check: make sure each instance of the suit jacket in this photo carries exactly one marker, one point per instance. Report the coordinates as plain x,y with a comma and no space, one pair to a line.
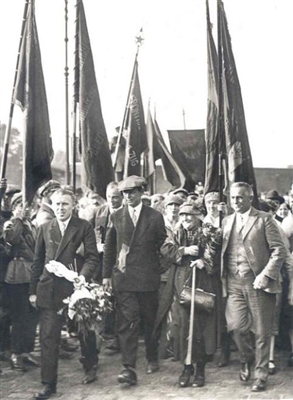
135,249
101,221
50,245
263,245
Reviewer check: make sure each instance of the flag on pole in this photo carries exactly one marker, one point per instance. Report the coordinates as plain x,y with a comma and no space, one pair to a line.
240,167
212,126
136,140
188,149
97,170
171,170
153,152
30,95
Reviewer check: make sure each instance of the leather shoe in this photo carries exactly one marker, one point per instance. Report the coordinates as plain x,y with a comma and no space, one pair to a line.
46,392
272,367
244,373
152,367
90,375
199,381
65,345
31,360
184,378
258,386
127,375
223,360
113,345
16,362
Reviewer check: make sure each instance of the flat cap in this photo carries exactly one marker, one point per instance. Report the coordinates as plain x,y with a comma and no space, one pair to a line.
194,193
49,186
179,190
16,198
173,199
131,182
188,208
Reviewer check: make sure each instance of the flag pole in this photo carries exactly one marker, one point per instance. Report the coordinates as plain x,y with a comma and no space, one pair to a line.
220,113
66,73
8,127
139,41
75,96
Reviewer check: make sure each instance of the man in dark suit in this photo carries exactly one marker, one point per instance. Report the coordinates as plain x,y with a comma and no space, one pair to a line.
64,239
131,259
252,255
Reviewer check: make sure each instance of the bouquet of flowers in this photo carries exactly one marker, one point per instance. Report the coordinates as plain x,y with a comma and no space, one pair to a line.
88,303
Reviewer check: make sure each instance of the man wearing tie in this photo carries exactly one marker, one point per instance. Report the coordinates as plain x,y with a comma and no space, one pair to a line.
131,259
61,239
252,255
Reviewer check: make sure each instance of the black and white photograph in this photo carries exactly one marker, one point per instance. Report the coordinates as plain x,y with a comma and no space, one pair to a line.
146,199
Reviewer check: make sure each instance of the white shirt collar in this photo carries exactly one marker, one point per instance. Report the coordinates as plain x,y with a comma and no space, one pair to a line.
137,210
244,216
64,223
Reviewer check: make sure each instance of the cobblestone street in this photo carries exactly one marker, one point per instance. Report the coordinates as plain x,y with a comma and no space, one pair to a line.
221,383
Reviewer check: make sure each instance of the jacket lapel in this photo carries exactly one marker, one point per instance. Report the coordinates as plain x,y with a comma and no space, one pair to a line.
249,223
141,225
228,229
55,235
70,231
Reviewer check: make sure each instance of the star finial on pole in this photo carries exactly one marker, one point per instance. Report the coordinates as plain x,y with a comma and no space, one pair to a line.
139,39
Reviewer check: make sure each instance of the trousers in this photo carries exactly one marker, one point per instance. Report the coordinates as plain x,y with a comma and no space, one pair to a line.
250,310
134,307
50,334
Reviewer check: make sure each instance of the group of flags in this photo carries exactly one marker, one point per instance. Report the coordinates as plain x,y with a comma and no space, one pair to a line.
226,139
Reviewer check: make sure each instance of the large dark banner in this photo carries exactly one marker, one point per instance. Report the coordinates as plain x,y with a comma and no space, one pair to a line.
188,149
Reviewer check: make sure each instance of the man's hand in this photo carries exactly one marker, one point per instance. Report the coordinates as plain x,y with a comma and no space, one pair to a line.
191,250
33,300
100,247
261,282
79,282
197,263
107,283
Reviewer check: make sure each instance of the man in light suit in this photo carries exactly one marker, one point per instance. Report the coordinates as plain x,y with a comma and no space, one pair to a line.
61,240
252,255
131,259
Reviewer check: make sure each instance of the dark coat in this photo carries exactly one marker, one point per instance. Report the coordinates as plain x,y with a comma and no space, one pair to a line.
50,289
135,248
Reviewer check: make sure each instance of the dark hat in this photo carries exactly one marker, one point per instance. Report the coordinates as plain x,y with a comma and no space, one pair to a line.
180,190
188,208
173,199
194,193
11,189
131,182
49,186
16,198
274,195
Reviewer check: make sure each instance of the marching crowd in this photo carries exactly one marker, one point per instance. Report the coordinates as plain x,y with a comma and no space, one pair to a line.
189,272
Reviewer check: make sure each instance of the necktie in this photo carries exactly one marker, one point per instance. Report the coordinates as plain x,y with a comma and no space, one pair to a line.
134,217
62,228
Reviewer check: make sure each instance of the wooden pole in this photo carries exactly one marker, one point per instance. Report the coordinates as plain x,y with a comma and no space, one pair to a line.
8,127
66,73
188,360
220,111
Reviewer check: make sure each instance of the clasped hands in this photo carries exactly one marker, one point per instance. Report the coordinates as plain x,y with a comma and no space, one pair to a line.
194,251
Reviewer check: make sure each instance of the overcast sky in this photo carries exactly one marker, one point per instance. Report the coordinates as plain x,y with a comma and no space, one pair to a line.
172,63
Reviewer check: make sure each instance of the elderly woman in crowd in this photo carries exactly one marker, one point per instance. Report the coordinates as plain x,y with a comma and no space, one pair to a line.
19,235
188,248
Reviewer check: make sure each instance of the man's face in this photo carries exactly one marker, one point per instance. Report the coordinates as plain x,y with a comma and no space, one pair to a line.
240,199
172,210
291,202
132,197
114,198
94,199
62,205
182,196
